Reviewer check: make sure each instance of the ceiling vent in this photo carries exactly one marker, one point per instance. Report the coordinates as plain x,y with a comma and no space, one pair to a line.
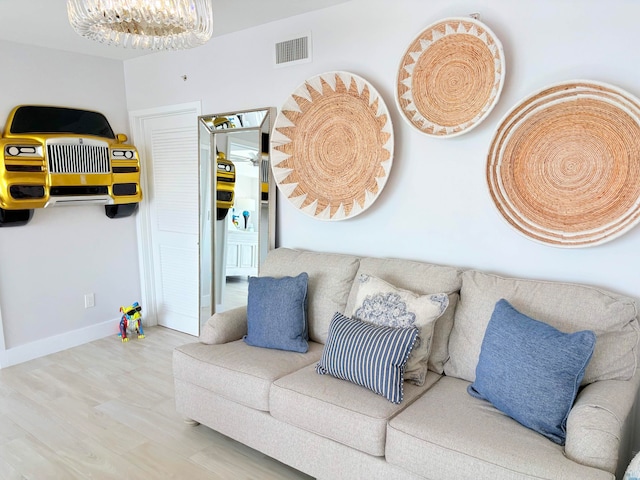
293,51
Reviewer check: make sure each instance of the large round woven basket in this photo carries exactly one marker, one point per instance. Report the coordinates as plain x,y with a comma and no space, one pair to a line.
450,77
332,146
564,165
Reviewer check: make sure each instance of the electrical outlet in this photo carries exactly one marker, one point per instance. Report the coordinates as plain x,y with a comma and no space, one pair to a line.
89,300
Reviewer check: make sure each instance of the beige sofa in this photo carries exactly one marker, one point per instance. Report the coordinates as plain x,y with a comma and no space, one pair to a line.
275,402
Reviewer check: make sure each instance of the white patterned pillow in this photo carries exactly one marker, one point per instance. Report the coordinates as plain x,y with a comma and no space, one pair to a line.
380,303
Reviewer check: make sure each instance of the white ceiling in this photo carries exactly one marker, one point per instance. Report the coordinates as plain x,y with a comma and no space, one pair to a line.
44,23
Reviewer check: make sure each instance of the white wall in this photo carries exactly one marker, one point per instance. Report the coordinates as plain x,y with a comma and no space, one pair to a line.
47,266
435,206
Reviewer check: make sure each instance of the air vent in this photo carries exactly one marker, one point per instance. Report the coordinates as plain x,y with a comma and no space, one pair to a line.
293,52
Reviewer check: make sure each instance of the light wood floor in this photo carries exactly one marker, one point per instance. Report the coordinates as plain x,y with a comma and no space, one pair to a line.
235,292
106,410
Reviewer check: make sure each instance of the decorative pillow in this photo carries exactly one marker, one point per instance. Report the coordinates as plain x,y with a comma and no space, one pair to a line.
276,313
381,303
530,370
368,355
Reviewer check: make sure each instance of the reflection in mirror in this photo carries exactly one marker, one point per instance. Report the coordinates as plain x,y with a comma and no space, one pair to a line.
237,205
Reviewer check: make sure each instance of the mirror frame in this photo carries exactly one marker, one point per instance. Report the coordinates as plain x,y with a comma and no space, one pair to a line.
207,144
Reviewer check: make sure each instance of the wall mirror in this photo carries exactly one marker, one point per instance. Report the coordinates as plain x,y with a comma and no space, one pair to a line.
237,205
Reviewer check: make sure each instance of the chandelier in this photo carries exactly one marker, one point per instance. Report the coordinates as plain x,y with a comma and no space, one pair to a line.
147,24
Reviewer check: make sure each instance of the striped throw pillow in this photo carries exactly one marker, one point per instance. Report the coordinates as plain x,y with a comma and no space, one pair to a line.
372,356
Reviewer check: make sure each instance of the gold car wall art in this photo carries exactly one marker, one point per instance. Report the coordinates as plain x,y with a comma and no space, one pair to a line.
53,156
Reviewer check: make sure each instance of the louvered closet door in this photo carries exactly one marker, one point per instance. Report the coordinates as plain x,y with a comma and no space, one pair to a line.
173,194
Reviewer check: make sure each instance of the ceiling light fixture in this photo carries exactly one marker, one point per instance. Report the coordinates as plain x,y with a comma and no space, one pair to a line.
146,24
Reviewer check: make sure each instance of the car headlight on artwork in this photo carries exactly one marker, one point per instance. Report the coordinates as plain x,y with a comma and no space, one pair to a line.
123,154
226,167
23,151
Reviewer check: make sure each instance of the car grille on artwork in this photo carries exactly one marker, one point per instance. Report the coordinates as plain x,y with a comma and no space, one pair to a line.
65,158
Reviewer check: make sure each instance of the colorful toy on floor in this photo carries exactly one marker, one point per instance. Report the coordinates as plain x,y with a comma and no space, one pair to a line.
131,321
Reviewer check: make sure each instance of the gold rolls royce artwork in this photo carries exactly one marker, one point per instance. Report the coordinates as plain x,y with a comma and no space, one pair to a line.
225,185
53,156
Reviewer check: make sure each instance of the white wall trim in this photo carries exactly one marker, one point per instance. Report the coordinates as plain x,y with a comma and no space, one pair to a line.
137,119
57,343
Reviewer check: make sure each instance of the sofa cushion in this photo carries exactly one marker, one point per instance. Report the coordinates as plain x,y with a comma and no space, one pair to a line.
372,356
530,370
338,410
330,279
421,278
567,307
448,435
381,303
277,313
237,371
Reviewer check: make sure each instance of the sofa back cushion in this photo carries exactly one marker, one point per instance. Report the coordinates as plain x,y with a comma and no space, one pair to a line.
567,307
421,278
330,278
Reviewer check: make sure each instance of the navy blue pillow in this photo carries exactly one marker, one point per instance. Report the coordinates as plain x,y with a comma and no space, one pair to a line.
277,313
530,370
372,356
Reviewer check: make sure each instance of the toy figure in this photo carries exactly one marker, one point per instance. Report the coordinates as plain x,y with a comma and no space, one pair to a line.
131,321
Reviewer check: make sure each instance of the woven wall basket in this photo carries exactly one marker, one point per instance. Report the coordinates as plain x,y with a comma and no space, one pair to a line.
450,77
332,146
564,165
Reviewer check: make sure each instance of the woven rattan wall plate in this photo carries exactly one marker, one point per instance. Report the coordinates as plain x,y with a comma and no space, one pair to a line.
564,165
332,146
450,77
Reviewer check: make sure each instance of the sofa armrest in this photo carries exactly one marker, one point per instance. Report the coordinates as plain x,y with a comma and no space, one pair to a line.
596,422
225,327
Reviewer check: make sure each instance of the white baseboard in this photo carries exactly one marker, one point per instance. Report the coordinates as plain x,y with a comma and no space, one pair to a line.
57,343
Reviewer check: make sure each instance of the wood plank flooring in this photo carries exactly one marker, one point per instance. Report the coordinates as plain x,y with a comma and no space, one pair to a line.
235,292
106,410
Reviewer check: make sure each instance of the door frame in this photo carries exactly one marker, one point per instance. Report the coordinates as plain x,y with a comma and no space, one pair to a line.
137,120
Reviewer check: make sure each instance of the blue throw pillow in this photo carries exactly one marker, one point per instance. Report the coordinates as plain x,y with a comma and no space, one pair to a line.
633,470
277,313
530,370
368,355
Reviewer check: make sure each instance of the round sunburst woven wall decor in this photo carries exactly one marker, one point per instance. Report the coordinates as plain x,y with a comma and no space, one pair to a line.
332,146
564,165
450,77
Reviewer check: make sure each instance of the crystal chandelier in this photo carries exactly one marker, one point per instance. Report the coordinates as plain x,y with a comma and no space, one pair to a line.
147,24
